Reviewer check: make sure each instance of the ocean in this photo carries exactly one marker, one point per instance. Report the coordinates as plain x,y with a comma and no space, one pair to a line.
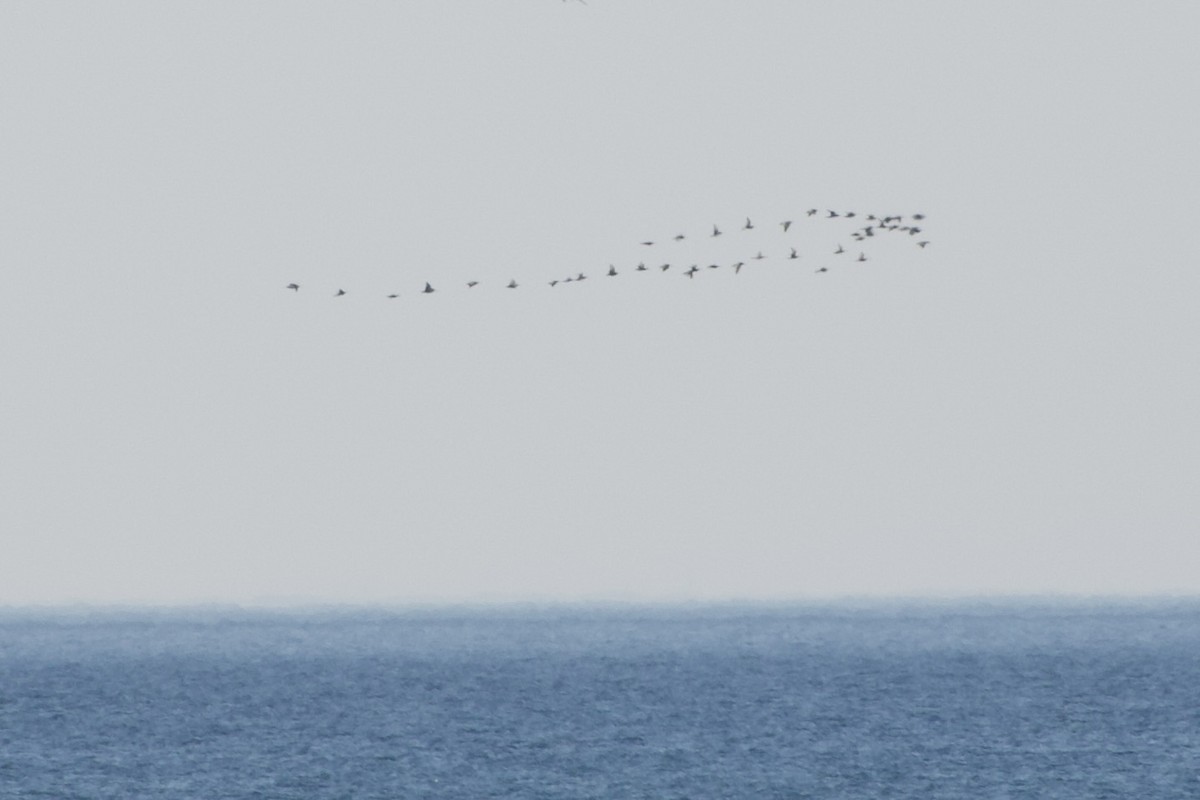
843,700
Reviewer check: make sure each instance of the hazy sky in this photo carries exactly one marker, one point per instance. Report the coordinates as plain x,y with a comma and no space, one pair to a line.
1015,409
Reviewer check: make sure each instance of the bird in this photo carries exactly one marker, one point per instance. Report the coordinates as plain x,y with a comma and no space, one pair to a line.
428,289
787,223
716,231
862,256
295,287
811,211
512,284
472,284
647,243
641,267
839,251
713,266
611,270
340,293
759,256
918,216
823,269
691,273
738,267
665,267
581,277
922,244
848,214
794,254
749,226
554,283
679,237
392,296
833,214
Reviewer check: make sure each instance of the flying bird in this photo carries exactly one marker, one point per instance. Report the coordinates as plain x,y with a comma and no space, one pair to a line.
749,226
428,289
794,254
738,267
823,269
641,267
472,284
611,270
581,277
922,244
679,237
833,214
716,231
512,284
862,256
759,256
554,283
787,223
839,251
811,211
647,243
295,287
665,267
691,273
340,293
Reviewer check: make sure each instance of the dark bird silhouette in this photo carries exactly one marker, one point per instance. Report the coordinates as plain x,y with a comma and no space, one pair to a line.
611,270
759,256
581,277
428,289
340,293
665,267
833,214
512,284
647,243
749,226
472,284
554,283
848,214
716,231
691,273
811,211
738,267
862,256
641,267
713,266
794,254
787,223
295,287
918,216
922,244
679,237
392,296
823,269
839,251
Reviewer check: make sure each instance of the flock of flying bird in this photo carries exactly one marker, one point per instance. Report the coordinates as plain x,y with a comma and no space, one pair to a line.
875,226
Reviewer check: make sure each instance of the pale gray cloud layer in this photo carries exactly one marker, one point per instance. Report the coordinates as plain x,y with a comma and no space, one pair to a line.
1013,410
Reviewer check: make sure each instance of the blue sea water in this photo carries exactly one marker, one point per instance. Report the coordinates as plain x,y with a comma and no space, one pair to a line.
970,700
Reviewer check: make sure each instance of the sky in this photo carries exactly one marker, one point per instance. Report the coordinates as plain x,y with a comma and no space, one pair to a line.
1013,410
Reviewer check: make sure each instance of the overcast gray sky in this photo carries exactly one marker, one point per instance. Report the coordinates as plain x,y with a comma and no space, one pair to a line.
1013,410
